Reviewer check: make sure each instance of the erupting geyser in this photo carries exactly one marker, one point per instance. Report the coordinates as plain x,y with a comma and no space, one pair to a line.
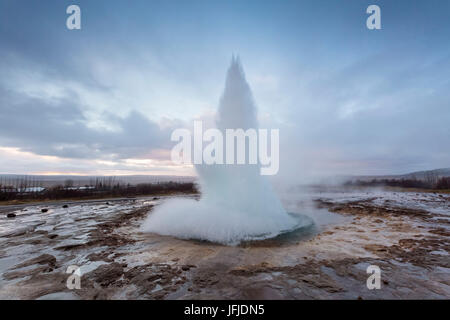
237,203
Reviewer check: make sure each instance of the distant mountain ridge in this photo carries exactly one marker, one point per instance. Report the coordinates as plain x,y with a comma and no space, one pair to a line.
419,175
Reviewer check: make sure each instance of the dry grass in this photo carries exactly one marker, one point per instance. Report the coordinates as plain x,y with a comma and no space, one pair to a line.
44,201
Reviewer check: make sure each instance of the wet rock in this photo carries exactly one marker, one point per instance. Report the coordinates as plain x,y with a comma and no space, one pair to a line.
206,279
37,283
24,273
100,256
187,267
262,292
106,274
65,206
11,215
147,277
44,210
409,256
16,233
42,259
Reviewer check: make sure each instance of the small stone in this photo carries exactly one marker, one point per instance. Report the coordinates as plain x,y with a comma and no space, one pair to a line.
44,210
11,215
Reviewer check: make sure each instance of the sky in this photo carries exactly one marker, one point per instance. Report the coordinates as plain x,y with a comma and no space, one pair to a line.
104,100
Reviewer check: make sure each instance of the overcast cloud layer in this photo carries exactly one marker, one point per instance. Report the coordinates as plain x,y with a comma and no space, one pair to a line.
104,99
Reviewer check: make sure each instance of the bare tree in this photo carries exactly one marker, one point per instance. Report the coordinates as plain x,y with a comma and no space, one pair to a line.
68,183
431,178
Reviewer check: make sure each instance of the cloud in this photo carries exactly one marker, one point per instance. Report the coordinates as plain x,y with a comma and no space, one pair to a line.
14,160
58,127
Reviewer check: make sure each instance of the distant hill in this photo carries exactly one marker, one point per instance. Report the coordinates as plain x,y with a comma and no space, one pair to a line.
445,172
419,175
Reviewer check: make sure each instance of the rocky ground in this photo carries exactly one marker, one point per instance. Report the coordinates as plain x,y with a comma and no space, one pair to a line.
407,235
